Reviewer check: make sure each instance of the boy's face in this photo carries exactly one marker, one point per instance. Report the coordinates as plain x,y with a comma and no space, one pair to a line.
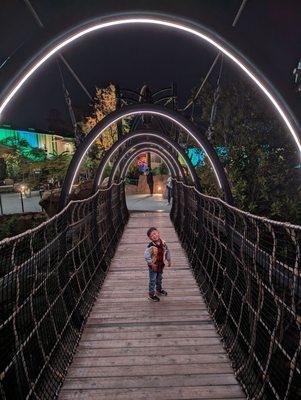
154,236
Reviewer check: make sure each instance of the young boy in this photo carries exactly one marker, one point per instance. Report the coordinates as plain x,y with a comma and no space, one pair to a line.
156,254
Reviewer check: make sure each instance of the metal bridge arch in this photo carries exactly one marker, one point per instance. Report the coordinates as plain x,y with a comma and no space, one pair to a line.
117,115
135,154
145,146
194,29
142,135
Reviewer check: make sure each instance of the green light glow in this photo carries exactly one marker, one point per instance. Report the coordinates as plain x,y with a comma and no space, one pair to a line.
34,145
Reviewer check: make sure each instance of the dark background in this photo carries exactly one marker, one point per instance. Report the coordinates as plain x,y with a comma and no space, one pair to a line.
268,33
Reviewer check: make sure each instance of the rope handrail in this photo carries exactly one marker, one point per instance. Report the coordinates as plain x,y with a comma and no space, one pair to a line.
246,213
49,279
54,217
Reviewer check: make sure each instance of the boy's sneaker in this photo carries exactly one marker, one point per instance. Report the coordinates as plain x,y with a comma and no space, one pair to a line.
162,292
153,297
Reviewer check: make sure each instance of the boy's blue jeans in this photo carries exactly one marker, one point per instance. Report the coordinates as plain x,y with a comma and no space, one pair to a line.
155,281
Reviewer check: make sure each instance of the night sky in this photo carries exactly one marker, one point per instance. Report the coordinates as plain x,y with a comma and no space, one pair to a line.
268,33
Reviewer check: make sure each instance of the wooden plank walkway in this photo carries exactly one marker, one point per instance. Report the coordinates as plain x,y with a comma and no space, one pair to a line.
136,349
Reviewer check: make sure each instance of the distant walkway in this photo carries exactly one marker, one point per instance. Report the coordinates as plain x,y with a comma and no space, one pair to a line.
134,349
146,202
11,203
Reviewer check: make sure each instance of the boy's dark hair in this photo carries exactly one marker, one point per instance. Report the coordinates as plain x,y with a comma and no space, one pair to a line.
150,230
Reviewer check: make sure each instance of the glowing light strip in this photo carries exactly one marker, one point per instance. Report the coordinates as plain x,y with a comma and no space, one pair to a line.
147,112
120,144
164,158
162,150
159,152
161,22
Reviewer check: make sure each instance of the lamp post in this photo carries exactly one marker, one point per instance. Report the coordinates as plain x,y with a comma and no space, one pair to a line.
22,190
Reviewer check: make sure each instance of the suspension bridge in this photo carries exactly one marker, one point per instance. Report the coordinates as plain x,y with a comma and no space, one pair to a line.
75,321
232,314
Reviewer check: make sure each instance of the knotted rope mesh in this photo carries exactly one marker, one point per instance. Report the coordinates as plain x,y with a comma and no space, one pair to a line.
248,269
49,279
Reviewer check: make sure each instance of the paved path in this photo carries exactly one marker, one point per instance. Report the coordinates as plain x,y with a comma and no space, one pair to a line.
11,203
146,202
136,349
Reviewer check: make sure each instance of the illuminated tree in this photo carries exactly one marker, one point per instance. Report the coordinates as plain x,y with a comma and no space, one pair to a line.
104,103
12,162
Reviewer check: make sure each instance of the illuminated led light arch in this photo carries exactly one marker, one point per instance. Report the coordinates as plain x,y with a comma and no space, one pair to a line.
128,163
172,166
145,146
155,148
137,152
158,19
170,115
116,146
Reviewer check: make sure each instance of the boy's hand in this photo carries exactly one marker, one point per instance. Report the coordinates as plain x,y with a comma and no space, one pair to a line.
168,264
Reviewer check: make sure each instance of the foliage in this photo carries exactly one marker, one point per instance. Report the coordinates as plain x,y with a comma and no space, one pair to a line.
261,160
38,173
37,154
133,171
12,225
104,103
23,149
12,162
55,167
160,170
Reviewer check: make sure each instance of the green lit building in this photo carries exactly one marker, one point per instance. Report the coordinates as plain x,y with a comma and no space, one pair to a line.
50,142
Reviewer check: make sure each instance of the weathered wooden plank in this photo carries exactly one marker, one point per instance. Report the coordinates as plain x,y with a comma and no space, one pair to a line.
192,393
162,359
148,381
131,299
187,327
92,336
149,313
149,319
181,306
101,344
140,351
132,371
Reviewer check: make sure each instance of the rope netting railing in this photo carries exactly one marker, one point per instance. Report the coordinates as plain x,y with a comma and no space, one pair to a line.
49,279
248,269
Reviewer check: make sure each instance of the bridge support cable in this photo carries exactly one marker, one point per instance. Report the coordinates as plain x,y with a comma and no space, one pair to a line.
191,103
42,26
68,102
248,269
49,279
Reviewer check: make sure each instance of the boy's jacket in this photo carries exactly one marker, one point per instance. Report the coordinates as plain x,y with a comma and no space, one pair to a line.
151,253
